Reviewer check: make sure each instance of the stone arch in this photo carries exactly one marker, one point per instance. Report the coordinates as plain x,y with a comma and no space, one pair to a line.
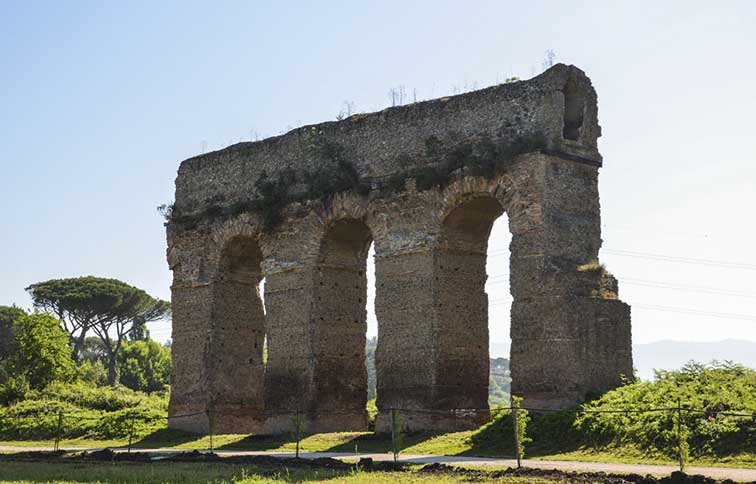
462,310
339,379
235,379
316,364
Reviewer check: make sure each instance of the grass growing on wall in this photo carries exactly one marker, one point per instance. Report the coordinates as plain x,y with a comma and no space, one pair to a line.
334,172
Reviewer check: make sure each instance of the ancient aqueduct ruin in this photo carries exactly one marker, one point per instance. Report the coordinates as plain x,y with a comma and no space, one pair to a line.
425,183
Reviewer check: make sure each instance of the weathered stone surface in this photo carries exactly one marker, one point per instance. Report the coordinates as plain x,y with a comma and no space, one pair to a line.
570,333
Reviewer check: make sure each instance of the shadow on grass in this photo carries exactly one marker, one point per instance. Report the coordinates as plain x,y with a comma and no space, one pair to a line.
551,433
257,442
165,438
381,443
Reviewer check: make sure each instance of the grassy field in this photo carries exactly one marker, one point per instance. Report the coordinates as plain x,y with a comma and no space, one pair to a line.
169,473
456,443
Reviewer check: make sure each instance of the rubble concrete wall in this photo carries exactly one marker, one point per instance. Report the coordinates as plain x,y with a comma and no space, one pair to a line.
416,183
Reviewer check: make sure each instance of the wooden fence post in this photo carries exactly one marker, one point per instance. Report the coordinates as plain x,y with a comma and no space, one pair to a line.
518,456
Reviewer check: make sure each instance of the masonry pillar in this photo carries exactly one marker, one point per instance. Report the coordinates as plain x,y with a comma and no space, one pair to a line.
288,372
570,334
406,351
237,335
191,303
218,336
316,329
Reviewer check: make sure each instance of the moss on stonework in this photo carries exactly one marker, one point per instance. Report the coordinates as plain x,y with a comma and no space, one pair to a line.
334,173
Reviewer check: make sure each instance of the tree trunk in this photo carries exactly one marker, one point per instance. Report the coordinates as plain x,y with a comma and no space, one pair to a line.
78,344
112,369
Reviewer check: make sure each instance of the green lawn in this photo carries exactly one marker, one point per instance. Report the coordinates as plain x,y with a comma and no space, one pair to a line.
170,473
455,443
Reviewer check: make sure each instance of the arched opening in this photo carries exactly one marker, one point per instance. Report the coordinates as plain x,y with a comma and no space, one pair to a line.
371,333
261,291
464,364
574,105
236,379
340,382
499,312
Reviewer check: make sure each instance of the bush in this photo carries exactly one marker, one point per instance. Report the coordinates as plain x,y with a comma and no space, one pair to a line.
88,411
106,399
498,434
13,390
716,387
145,365
93,372
372,413
42,354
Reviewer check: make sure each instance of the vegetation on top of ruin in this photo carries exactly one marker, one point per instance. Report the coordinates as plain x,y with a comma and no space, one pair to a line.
592,266
335,173
603,293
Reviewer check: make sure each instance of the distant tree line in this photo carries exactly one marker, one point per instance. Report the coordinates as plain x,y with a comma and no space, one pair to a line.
499,380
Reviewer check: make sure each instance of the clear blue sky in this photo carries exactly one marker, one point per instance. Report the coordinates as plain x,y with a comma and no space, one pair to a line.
102,100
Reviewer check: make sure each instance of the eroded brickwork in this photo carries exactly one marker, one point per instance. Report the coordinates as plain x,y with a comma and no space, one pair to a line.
414,180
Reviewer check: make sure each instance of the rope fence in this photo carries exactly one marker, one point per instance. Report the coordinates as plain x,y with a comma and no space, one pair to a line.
395,415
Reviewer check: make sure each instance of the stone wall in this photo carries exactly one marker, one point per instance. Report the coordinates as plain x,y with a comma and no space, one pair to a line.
570,333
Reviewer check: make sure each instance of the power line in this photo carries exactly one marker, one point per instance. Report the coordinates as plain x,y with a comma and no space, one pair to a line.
673,309
682,260
686,288
696,312
662,258
656,285
632,228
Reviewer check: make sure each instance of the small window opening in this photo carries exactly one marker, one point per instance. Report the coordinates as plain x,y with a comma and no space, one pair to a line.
574,105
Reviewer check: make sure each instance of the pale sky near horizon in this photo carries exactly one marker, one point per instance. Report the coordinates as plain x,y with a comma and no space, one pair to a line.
102,100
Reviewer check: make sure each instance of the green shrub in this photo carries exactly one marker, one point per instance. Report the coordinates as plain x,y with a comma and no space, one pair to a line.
372,413
88,411
13,390
95,398
145,365
93,372
146,420
711,388
498,434
42,354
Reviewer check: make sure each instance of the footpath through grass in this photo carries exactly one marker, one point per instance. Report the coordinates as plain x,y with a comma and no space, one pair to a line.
357,443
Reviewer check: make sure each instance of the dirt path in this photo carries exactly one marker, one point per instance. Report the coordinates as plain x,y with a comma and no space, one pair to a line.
736,474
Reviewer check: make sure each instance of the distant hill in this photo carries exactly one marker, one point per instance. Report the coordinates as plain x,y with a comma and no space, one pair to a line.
671,355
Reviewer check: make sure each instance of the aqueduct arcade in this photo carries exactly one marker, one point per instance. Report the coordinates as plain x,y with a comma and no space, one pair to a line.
424,183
